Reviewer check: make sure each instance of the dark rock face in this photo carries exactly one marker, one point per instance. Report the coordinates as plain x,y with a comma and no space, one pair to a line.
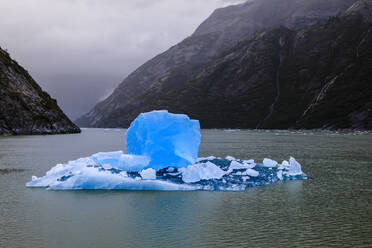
171,70
24,107
315,77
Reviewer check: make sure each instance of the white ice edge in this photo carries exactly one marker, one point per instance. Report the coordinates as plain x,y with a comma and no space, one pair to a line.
105,171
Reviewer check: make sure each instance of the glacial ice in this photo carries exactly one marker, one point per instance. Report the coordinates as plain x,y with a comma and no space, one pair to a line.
269,163
201,171
294,167
207,174
168,139
234,165
148,174
162,155
121,161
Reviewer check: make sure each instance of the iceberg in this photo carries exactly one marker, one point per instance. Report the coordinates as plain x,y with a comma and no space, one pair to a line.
169,139
207,174
162,155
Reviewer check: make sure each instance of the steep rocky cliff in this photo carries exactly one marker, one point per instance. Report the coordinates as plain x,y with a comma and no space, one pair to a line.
315,77
220,32
24,107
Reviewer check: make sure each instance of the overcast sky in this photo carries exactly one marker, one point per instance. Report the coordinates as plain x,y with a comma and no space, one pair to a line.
79,50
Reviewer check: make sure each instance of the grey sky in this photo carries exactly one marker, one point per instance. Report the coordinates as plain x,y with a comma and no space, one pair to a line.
79,50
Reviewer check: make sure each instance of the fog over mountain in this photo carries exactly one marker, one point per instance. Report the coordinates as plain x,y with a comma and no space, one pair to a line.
151,85
79,51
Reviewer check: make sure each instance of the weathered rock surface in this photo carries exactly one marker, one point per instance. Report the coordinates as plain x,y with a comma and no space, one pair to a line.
24,107
223,30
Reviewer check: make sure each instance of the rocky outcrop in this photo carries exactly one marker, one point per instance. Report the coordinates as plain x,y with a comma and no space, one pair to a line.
224,29
24,107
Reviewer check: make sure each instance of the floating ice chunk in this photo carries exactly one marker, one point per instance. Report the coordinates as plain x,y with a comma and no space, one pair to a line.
132,162
283,165
117,183
249,166
148,174
123,173
252,173
168,139
251,161
294,167
203,171
280,174
77,175
206,158
234,165
269,163
85,173
106,166
110,158
120,160
231,158
174,174
50,178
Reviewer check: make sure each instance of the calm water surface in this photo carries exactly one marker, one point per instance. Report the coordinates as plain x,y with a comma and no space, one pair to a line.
331,209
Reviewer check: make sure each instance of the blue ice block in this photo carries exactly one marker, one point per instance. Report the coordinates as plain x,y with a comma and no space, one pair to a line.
168,139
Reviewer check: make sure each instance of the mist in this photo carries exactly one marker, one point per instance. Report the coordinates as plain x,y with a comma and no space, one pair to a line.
80,50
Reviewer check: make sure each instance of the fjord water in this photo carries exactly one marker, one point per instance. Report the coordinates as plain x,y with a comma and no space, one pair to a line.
332,208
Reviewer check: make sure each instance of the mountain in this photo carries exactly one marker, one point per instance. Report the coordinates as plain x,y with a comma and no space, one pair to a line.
174,68
315,77
24,107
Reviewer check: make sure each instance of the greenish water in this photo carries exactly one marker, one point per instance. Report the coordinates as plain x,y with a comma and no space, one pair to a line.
331,209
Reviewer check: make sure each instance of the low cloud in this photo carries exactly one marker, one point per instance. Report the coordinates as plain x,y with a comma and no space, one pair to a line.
79,50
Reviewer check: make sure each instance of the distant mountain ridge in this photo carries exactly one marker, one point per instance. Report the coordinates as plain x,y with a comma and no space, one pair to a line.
24,107
163,81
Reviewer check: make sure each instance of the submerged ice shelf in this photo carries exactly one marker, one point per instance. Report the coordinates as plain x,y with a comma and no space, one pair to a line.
163,150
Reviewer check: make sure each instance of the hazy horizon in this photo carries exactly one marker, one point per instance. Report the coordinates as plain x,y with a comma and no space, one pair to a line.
79,50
